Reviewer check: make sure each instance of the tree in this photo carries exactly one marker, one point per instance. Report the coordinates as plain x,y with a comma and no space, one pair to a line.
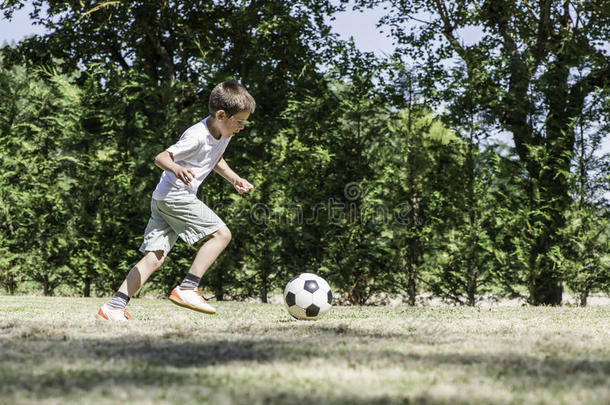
584,254
40,120
321,168
157,62
520,74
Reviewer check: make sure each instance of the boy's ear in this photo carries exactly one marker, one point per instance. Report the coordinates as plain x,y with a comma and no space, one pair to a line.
221,115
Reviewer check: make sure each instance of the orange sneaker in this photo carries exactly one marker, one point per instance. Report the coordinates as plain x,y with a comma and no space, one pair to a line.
191,299
113,314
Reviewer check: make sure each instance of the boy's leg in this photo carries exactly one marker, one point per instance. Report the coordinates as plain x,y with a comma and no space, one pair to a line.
139,273
209,252
187,294
136,277
159,237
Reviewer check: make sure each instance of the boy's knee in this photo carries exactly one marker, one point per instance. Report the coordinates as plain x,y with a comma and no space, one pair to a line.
224,234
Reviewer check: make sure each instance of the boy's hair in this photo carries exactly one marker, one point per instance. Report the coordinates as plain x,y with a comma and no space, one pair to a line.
231,97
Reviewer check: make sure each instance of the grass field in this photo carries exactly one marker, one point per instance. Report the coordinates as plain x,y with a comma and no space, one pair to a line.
53,351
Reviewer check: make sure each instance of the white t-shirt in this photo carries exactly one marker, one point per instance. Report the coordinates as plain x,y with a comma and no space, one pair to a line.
197,150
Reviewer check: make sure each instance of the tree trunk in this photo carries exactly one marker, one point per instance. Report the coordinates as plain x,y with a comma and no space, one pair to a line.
219,289
472,274
46,288
266,265
412,248
472,285
411,279
545,286
264,288
10,284
583,297
87,289
546,289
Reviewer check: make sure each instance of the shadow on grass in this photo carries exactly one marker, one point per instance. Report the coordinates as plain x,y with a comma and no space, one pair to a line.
52,368
43,364
161,352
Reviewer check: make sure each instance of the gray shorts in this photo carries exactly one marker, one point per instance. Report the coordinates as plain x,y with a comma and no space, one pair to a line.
191,221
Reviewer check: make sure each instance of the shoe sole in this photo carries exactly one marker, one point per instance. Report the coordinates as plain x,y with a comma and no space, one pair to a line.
102,316
183,304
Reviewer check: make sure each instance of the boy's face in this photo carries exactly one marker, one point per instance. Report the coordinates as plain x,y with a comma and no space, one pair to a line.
229,126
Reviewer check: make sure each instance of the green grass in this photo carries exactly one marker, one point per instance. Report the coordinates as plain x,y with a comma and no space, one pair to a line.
53,351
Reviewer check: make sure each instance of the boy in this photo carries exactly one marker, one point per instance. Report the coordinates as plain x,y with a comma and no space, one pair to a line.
175,209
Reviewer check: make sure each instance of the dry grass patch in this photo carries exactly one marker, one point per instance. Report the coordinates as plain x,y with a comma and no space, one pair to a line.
52,350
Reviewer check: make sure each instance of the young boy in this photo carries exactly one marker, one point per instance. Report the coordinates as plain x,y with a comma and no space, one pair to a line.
176,211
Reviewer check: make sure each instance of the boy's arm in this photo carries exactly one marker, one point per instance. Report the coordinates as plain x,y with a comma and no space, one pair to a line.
241,185
165,161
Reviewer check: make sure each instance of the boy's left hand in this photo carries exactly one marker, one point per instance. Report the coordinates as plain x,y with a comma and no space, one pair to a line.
242,185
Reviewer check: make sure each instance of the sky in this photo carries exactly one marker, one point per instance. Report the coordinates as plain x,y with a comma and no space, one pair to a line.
358,25
18,28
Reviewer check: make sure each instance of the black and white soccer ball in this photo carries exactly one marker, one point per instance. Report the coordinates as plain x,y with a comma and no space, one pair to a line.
308,296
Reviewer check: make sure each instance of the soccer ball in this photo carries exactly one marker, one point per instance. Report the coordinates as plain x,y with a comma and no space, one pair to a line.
308,296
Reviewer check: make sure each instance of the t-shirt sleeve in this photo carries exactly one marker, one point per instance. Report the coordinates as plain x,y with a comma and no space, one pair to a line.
186,147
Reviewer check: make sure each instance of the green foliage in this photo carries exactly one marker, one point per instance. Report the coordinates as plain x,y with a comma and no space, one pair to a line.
585,255
326,155
40,119
355,177
411,165
531,72
466,214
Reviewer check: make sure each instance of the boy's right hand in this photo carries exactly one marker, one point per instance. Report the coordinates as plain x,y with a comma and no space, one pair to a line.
184,174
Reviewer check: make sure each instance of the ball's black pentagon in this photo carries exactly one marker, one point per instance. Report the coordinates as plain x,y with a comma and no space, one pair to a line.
312,310
291,299
311,286
330,297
